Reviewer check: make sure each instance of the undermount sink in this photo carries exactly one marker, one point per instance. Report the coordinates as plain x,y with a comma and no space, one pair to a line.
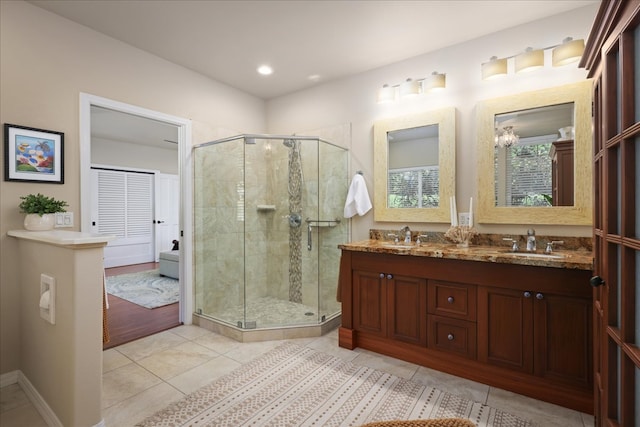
535,255
396,246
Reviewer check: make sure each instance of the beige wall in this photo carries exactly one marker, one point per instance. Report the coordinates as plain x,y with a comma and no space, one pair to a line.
45,62
353,100
63,361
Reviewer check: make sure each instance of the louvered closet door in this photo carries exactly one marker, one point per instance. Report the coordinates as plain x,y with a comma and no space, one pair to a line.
617,227
122,205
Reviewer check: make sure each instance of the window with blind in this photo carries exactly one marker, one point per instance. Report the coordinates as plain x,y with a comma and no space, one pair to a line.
527,171
414,187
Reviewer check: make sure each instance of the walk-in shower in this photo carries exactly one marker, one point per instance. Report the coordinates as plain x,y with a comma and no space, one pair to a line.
267,221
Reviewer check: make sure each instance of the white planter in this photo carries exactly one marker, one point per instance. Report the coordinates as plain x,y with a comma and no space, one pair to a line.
35,222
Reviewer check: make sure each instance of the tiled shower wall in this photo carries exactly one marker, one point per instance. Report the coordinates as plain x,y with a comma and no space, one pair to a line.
236,241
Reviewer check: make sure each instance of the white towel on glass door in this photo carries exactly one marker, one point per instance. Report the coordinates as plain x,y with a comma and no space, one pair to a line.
358,201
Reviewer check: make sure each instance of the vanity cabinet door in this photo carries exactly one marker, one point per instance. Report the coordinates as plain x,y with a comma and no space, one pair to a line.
563,346
370,302
544,334
407,298
505,328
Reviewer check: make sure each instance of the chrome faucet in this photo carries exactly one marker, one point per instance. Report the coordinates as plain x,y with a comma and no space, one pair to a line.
550,244
531,240
420,238
514,243
407,233
395,237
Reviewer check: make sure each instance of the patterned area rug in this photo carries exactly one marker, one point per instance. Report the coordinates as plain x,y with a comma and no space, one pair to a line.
148,288
297,386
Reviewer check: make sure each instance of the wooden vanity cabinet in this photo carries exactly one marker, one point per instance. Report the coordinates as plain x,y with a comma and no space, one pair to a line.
522,328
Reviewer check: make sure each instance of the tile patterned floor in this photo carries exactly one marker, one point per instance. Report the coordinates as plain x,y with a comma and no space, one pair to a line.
144,376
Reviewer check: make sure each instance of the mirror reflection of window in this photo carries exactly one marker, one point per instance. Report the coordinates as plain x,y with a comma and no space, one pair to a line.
413,168
533,157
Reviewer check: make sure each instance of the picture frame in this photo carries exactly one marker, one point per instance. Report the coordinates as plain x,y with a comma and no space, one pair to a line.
33,155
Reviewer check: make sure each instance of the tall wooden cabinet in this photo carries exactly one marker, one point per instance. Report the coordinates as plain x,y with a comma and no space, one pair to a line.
562,177
612,57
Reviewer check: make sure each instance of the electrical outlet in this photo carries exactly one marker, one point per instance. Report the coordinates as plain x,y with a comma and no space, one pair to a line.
64,219
463,218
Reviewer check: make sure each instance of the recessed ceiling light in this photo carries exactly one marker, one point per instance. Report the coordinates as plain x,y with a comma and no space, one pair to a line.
265,70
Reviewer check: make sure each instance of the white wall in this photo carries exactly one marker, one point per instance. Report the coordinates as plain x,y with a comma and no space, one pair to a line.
354,100
45,63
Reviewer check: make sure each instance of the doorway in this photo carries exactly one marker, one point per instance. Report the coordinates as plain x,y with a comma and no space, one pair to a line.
177,145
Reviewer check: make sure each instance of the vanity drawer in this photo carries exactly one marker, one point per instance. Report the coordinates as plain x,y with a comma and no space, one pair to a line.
452,300
452,335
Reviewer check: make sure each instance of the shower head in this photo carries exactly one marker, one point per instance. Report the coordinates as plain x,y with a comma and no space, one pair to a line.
289,143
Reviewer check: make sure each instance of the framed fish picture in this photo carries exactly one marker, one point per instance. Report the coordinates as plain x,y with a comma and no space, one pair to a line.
33,155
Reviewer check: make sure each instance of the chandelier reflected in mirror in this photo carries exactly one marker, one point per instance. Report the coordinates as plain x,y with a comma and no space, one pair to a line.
507,138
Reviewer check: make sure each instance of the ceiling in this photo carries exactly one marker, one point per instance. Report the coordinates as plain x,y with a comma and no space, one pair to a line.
306,42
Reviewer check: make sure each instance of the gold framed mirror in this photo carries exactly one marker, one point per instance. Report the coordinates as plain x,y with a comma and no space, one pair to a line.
414,167
498,122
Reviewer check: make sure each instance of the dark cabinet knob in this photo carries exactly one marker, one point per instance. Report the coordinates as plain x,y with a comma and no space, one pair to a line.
450,300
382,275
527,294
389,276
596,281
450,337
539,296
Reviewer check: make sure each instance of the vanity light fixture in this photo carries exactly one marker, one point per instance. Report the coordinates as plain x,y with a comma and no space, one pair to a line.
435,81
386,94
568,51
494,68
410,87
529,60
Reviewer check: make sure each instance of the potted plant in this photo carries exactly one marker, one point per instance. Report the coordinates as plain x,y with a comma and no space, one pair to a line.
40,211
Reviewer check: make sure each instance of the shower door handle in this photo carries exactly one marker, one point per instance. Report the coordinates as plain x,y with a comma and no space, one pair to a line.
309,237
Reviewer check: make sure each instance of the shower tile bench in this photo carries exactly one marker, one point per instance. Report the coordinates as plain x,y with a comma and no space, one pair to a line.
169,263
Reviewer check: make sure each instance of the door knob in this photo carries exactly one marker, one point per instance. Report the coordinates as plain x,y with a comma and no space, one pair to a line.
596,281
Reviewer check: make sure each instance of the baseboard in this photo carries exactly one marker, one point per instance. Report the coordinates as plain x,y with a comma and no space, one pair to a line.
40,404
8,378
34,397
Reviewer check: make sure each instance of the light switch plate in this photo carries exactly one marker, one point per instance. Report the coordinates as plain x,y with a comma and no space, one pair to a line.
463,218
64,219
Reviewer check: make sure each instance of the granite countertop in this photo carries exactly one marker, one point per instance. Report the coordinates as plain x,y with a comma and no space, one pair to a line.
574,259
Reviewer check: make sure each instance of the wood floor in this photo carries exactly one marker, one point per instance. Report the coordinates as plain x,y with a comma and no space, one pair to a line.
128,321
